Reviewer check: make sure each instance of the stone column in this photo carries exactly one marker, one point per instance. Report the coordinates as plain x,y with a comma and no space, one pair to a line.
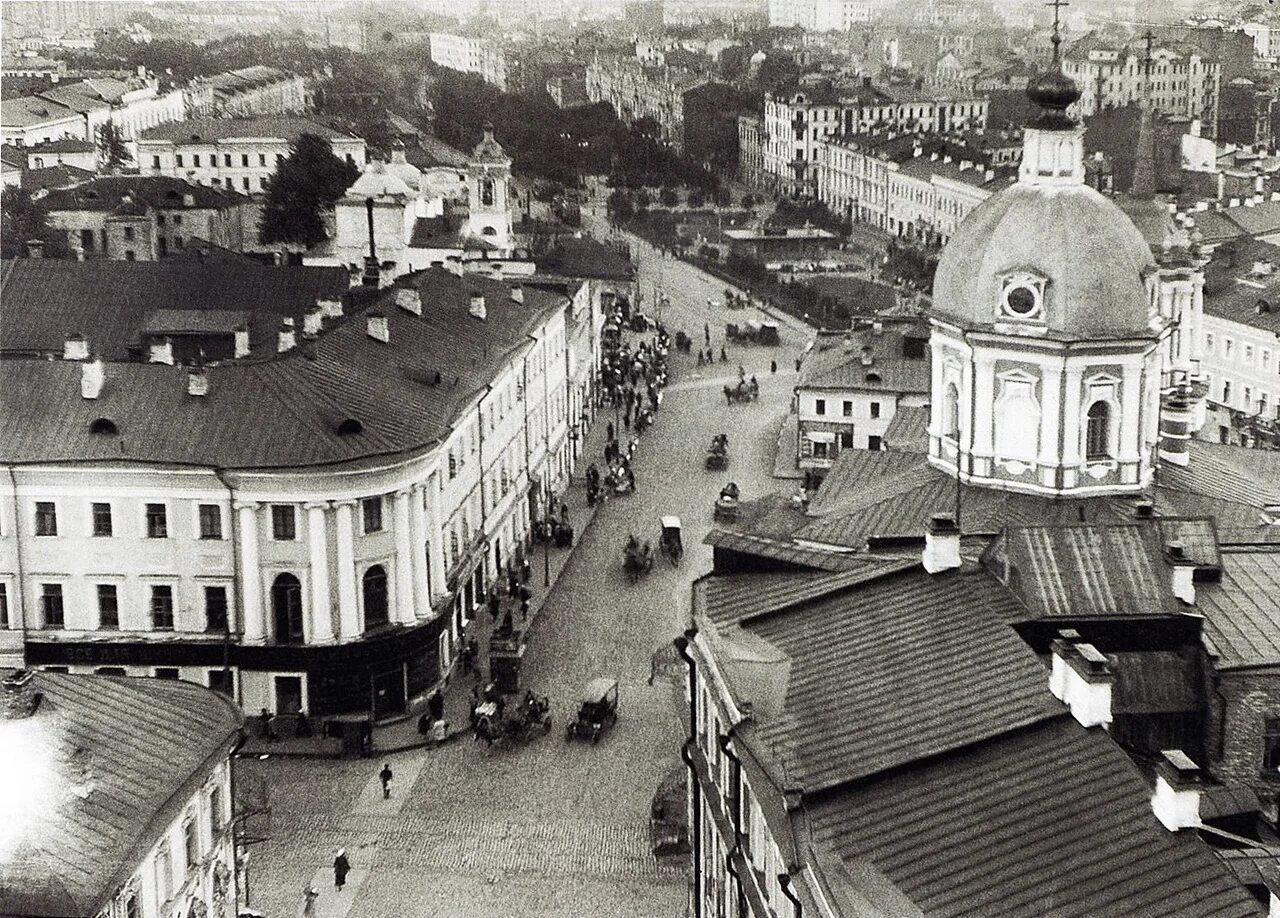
418,536
404,610
439,541
1050,398
321,603
348,607
254,621
1071,429
984,401
1130,450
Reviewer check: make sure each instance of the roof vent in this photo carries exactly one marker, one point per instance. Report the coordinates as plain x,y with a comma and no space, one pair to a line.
941,544
332,308
286,338
377,327
517,293
866,358
75,348
1184,571
349,427
409,299
93,374
103,426
161,351
188,200
198,382
1262,268
1144,510
873,377
477,306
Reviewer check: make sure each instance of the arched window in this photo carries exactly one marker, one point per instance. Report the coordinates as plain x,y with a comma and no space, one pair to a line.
951,412
286,608
375,597
1097,438
486,192
488,231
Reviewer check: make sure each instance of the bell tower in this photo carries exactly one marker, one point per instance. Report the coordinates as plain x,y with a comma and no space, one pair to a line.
489,193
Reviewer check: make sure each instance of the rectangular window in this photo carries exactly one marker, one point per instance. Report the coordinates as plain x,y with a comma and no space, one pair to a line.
210,521
155,162
245,182
284,526
875,409
128,232
46,518
178,159
215,608
873,443
215,801
848,408
244,160
162,607
160,219
262,159
226,159
195,160
157,522
108,606
1226,392
820,406
372,510
191,841
102,520
51,610
168,672
4,605
220,682
1271,745
177,219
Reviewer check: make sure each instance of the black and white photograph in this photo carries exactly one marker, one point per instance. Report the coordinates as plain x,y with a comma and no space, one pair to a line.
639,458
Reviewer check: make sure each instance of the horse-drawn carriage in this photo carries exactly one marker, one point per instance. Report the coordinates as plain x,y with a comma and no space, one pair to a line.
683,342
726,509
718,453
672,544
598,712
530,718
753,332
744,391
637,560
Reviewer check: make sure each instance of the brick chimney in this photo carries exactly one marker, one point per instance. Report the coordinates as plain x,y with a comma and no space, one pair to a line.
287,337
477,306
941,544
409,299
242,341
75,348
35,248
161,351
377,327
312,322
1179,782
20,696
93,374
1081,679
331,307
1183,570
198,382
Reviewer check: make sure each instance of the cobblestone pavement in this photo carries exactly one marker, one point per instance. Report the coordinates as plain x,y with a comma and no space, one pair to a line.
549,828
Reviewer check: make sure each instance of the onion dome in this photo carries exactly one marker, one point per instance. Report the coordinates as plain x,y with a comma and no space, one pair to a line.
1053,91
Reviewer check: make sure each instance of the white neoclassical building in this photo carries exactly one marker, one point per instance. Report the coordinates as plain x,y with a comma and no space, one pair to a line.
306,529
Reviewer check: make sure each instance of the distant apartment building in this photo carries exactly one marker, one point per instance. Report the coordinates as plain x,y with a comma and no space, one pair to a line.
798,124
1245,113
819,15
1184,82
470,55
132,106
638,91
239,154
257,90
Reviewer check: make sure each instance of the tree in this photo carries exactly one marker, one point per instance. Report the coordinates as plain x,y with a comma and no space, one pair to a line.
309,180
22,219
668,197
111,147
620,206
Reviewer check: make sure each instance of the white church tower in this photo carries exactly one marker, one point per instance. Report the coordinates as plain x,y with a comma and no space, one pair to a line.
489,194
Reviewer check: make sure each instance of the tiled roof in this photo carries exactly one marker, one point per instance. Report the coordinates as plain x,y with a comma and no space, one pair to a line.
904,667
212,130
908,432
1085,571
285,410
1156,682
741,597
1232,291
26,111
46,301
1198,537
1242,611
1215,226
835,362
53,177
141,740
87,95
159,191
1256,219
13,156
1051,820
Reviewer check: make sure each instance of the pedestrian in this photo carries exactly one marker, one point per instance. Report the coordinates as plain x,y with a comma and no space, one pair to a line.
773,366
309,896
525,594
386,776
742,374
609,431
524,610
626,418
495,602
706,332
513,582
264,725
526,571
797,364
466,659
435,706
341,867
564,512
724,357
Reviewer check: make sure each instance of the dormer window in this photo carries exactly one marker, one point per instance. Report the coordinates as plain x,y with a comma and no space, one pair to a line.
104,426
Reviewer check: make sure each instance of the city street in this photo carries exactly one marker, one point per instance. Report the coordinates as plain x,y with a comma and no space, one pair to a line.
552,828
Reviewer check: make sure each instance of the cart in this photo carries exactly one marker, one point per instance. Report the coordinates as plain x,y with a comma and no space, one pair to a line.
718,453
599,711
671,543
769,334
726,509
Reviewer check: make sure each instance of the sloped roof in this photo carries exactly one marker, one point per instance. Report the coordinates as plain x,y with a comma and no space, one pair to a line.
213,130
433,153
908,432
107,192
26,111
56,176
742,597
75,850
1242,611
443,232
1051,820
62,145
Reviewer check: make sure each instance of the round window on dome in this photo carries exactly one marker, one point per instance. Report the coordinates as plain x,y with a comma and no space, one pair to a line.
1021,301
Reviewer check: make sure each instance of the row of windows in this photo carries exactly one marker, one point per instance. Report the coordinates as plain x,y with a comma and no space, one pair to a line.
1245,354
213,160
284,519
160,606
820,408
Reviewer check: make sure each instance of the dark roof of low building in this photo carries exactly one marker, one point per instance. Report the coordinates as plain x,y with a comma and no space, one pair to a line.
13,156
443,232
1053,819
26,111
107,192
1234,291
1242,611
908,432
112,753
54,177
743,597
212,130
286,410
836,362
62,145
433,153
581,256
47,300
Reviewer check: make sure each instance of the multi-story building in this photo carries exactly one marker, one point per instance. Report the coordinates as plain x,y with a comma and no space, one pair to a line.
1245,114
819,15
143,847
29,120
146,218
131,106
797,126
327,567
81,154
1183,81
638,91
751,150
853,383
468,54
249,91
235,153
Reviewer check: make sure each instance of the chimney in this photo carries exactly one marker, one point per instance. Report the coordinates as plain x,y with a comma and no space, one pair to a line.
197,382
242,341
1081,679
1183,569
332,308
877,327
75,348
946,159
93,374
20,696
287,337
35,248
277,259
188,200
161,351
866,359
1176,801
517,293
989,175
409,299
1175,428
312,321
941,544
965,165
477,306
371,271
377,327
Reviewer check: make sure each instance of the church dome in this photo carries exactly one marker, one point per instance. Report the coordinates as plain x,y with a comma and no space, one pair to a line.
379,181
1063,258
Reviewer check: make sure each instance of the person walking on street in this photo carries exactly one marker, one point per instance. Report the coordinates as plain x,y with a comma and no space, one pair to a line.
435,706
706,332
309,897
773,366
386,776
341,867
724,357
609,431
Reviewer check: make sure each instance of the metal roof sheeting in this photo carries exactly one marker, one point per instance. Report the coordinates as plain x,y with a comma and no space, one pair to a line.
1242,611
